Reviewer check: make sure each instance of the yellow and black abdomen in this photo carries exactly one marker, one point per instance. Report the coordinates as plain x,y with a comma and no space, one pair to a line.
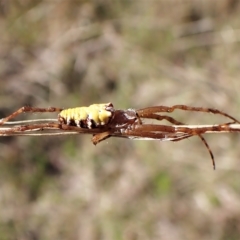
87,117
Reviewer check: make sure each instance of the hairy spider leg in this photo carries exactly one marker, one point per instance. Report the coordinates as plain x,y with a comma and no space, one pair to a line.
26,109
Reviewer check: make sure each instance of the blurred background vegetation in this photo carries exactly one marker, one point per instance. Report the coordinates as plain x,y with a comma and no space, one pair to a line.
134,54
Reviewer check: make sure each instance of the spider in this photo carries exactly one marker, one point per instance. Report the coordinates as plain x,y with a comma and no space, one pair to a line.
103,121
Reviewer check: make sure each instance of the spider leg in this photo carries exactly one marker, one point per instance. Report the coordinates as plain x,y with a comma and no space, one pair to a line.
97,138
185,108
52,127
28,109
172,120
25,128
209,150
143,132
189,133
139,131
204,142
159,117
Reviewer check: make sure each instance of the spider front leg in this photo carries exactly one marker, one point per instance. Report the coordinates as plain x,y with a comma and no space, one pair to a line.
157,109
146,114
28,109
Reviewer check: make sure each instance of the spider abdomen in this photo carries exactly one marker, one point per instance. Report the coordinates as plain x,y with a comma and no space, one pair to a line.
87,117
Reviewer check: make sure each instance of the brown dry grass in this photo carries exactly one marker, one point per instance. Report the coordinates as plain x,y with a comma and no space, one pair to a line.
134,54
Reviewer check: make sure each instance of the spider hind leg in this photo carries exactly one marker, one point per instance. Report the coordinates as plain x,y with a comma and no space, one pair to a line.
26,109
